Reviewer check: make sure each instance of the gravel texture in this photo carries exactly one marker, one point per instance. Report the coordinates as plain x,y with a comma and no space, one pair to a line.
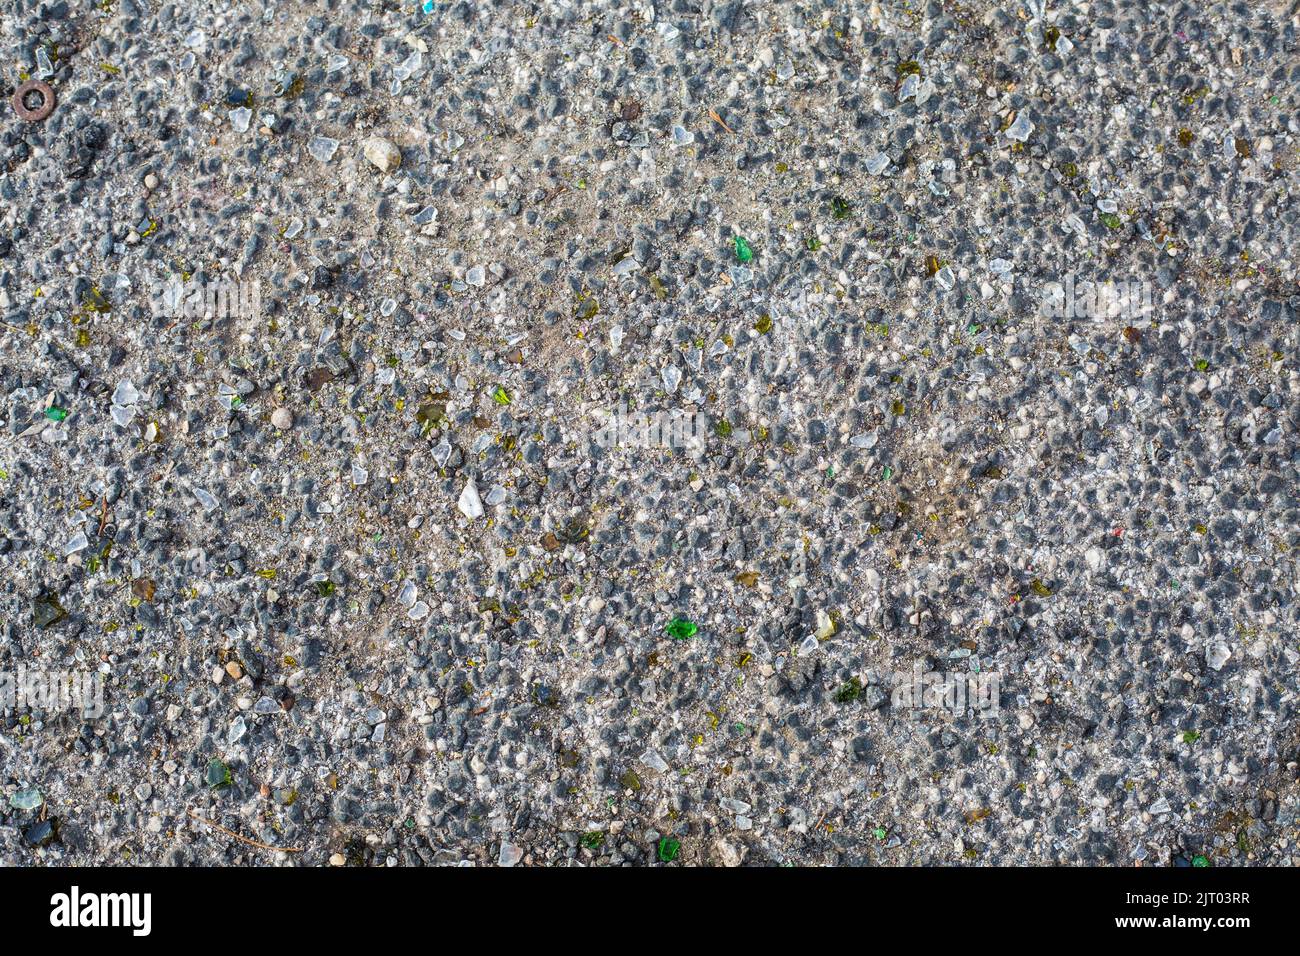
367,584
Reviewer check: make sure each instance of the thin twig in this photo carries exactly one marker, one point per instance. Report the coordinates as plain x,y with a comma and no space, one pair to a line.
713,115
244,839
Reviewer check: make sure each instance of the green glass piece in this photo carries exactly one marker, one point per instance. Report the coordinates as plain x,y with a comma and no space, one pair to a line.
744,252
56,414
430,413
887,473
668,849
879,833
681,629
218,775
1200,860
47,611
29,799
500,396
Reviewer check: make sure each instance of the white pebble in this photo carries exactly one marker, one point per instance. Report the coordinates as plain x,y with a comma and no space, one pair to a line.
470,504
382,154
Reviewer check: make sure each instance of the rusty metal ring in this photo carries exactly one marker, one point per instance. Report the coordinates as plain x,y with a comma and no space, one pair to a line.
40,112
